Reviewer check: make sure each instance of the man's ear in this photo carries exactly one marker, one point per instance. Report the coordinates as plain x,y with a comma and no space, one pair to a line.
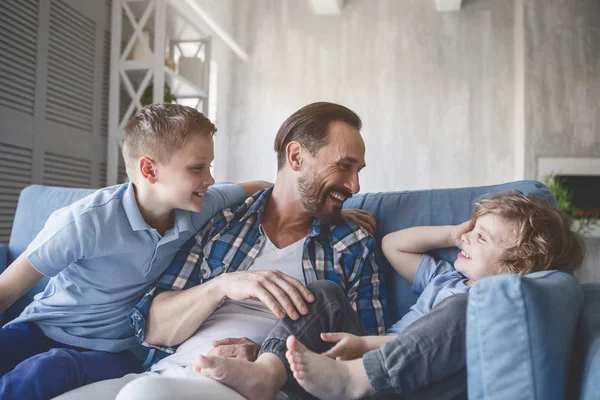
147,168
293,153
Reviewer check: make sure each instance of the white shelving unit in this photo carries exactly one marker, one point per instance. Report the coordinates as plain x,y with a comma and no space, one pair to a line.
159,30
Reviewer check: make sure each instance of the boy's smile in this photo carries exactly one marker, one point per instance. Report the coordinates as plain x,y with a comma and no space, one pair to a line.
482,249
185,178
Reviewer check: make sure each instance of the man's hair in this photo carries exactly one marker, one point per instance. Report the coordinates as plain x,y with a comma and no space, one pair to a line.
542,240
158,130
309,127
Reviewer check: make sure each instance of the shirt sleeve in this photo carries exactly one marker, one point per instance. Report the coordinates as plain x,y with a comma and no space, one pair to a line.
66,238
367,294
184,272
428,269
218,197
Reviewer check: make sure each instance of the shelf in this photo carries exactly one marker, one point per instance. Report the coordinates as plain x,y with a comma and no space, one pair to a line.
180,86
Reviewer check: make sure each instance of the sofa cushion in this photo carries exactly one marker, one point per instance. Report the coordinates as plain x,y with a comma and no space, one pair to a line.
585,368
399,210
520,331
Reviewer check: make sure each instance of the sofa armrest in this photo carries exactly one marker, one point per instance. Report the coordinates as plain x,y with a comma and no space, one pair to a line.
3,265
585,368
520,332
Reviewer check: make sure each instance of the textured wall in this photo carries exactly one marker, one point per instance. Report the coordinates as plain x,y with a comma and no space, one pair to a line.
562,80
222,12
436,91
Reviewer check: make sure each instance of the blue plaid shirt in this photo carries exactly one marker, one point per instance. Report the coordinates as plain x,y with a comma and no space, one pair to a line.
344,254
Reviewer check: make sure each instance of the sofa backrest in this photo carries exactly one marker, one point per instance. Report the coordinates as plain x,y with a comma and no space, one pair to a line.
36,203
399,210
393,211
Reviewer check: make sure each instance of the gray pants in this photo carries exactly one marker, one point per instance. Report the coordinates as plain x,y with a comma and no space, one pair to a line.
429,350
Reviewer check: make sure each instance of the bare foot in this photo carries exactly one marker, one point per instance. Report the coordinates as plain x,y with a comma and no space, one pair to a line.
324,377
259,380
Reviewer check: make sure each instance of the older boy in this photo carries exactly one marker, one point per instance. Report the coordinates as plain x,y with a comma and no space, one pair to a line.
104,252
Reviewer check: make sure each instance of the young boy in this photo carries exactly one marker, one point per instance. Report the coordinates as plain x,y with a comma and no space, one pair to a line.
508,233
104,252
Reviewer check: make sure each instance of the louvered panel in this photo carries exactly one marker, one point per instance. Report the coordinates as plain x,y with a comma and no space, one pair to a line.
59,85
105,83
122,174
102,174
71,55
67,171
15,174
72,76
18,36
18,75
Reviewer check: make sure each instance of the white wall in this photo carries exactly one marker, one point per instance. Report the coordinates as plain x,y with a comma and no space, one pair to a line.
222,12
436,91
562,80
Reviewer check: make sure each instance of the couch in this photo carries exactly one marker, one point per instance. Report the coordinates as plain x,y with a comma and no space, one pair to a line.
528,337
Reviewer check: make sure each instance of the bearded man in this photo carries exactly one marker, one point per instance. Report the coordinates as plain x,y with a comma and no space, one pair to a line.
250,266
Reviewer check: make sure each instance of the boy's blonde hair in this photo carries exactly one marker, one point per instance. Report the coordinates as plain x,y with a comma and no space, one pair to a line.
543,238
158,130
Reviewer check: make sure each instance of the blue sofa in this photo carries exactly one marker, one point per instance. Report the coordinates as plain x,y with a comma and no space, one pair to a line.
528,337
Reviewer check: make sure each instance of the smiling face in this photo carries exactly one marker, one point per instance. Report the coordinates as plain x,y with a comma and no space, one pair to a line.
331,176
185,177
482,249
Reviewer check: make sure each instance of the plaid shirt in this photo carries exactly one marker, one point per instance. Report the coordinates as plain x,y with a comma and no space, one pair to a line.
344,254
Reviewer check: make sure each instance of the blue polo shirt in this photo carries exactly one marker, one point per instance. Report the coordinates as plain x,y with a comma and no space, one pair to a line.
435,280
102,257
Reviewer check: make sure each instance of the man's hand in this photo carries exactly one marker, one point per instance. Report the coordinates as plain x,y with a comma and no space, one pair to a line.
348,346
282,294
361,217
457,231
242,348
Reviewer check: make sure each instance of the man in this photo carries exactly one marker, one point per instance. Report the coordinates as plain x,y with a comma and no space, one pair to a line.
250,266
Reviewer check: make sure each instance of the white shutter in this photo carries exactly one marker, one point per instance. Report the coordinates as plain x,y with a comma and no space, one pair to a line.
15,174
60,170
71,54
18,34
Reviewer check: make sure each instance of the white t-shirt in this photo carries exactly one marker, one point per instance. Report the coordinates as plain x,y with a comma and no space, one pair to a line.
249,318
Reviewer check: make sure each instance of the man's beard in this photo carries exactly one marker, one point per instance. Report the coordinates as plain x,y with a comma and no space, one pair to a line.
309,187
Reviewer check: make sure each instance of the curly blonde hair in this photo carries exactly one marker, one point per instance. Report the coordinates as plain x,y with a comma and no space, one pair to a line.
543,238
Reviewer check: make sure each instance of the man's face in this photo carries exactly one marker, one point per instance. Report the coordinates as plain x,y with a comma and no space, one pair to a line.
332,175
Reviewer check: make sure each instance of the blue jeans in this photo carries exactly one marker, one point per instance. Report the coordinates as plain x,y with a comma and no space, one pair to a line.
33,366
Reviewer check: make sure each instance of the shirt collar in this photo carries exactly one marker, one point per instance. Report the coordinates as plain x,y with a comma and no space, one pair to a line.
132,210
183,221
256,204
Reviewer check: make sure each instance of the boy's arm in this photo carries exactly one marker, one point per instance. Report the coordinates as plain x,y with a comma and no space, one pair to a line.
16,280
252,187
404,248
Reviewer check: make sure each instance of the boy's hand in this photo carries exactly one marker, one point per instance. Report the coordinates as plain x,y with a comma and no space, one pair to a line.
348,346
457,231
361,217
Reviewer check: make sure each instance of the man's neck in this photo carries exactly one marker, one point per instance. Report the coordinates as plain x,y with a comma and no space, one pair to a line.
284,219
156,215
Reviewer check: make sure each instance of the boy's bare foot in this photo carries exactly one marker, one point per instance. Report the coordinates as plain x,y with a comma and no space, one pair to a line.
254,380
324,377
